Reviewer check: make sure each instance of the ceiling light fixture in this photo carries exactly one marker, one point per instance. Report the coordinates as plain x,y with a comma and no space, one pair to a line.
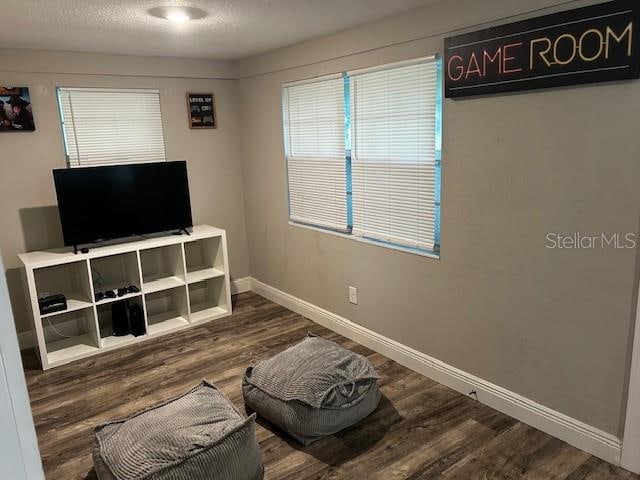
177,16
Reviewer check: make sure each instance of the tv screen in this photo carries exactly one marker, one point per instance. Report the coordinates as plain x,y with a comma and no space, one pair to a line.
105,203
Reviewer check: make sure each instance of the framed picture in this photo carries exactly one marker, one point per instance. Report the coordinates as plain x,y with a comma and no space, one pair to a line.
15,110
202,110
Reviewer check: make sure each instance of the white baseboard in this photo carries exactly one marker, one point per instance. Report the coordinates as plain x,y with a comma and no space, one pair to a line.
559,425
240,285
570,430
28,339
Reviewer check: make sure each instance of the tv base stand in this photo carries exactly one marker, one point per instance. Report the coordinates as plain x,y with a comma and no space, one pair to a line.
182,281
179,232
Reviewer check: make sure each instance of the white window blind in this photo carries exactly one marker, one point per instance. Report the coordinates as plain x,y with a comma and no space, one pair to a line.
111,126
313,115
394,154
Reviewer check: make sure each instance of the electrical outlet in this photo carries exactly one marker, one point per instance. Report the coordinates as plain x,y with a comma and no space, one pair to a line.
353,295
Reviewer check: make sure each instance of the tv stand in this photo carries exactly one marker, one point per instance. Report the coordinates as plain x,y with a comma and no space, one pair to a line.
179,232
183,281
81,250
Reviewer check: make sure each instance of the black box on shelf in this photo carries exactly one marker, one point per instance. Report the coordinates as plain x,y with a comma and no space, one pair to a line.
52,303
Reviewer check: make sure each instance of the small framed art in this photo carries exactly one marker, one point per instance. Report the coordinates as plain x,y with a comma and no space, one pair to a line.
15,110
202,110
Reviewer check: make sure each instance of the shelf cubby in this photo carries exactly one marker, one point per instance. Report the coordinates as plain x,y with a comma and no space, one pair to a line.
167,310
162,268
183,280
204,259
70,279
208,299
128,296
115,271
70,335
105,324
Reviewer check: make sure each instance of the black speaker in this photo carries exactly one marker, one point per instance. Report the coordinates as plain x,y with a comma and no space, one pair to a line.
120,319
136,320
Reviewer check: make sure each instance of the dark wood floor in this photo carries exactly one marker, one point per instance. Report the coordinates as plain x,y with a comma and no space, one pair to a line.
421,430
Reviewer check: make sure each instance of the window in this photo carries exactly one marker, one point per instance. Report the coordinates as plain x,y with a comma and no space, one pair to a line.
111,126
314,147
364,152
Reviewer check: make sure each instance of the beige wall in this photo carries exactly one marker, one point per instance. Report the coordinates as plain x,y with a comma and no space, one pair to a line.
552,325
548,324
28,212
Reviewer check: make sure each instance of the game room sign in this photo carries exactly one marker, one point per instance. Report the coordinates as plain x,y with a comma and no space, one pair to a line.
593,44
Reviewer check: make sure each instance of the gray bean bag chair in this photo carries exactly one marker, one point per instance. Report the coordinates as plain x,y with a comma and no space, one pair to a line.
314,389
197,436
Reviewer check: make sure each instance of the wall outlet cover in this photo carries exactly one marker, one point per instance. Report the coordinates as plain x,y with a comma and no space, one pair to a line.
353,295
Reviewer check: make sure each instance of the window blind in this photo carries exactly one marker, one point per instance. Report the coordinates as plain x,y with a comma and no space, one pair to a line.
314,131
393,132
111,126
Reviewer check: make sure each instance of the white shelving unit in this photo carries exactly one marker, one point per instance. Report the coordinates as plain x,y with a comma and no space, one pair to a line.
183,280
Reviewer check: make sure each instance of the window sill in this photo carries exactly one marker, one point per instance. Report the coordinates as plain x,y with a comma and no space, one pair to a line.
400,248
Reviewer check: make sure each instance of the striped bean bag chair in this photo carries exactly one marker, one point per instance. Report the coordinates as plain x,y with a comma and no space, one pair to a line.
197,436
313,389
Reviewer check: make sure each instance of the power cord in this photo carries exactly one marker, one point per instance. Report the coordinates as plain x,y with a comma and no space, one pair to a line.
56,331
46,294
97,283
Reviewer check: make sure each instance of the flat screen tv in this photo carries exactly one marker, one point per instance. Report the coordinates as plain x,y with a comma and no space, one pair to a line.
105,203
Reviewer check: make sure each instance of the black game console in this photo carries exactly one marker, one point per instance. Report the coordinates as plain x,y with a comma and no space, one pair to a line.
136,320
120,318
127,318
52,303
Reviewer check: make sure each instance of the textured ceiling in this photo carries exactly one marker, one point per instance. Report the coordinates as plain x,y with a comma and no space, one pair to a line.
231,29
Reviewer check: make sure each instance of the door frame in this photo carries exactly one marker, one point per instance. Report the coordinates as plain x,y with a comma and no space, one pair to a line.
630,459
22,437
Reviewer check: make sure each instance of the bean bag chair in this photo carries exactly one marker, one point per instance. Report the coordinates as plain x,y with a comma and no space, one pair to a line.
313,389
197,436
